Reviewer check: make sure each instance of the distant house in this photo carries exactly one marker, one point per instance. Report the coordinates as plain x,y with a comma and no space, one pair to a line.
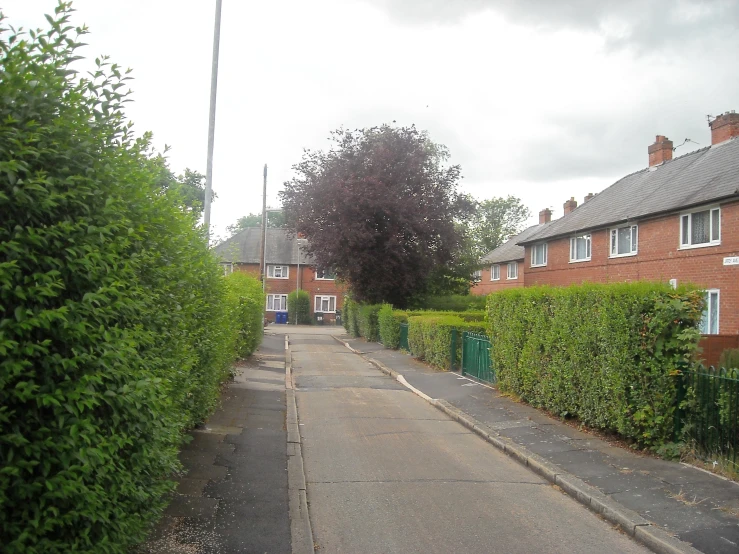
288,268
504,267
676,221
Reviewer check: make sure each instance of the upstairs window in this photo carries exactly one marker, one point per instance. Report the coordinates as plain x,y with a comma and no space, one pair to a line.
495,272
701,228
624,241
325,275
580,248
513,270
278,271
709,322
539,255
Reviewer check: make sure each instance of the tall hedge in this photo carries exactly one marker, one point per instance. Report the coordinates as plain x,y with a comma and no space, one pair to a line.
246,308
606,354
388,322
115,326
430,337
298,307
351,317
367,321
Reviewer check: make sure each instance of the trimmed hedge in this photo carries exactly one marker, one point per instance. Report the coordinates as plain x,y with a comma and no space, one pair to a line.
299,300
246,302
389,321
430,337
367,321
116,323
455,303
606,354
351,317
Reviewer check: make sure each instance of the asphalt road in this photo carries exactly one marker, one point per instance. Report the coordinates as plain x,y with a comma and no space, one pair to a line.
387,472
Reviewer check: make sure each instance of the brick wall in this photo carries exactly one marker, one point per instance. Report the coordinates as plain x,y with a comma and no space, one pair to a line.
486,286
308,282
659,259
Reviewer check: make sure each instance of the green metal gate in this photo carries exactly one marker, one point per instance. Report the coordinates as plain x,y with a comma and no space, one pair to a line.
476,361
404,337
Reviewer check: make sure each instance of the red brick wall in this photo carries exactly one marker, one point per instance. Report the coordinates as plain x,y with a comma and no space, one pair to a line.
308,282
659,259
486,286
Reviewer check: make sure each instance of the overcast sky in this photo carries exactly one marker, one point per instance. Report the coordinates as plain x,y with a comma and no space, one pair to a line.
542,99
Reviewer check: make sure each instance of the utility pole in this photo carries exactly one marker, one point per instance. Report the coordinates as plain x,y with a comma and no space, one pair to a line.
264,231
212,119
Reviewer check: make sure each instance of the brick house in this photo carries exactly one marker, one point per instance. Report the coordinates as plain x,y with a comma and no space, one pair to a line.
676,221
289,268
504,267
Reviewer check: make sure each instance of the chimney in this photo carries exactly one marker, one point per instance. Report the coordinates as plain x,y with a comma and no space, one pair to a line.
660,151
570,205
590,196
545,216
724,127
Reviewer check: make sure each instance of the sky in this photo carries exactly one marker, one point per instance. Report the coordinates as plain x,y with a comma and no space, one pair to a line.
540,99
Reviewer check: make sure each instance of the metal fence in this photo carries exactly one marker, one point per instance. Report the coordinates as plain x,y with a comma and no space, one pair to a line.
476,361
708,411
404,337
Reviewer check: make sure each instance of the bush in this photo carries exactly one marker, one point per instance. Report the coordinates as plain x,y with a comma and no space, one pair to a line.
606,354
389,321
430,337
729,358
298,301
455,303
351,317
367,321
246,302
115,327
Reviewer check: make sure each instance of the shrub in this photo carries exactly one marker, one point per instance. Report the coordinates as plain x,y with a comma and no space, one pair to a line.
389,321
298,302
606,354
455,303
367,321
430,337
114,319
729,358
351,317
246,302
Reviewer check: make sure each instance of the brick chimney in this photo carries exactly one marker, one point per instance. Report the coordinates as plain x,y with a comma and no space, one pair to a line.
590,196
545,216
570,205
660,151
724,127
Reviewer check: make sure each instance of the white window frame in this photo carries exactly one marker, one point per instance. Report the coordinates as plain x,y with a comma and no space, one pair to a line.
512,275
495,272
284,271
706,319
271,301
228,269
477,275
613,245
588,248
714,211
544,247
318,303
320,278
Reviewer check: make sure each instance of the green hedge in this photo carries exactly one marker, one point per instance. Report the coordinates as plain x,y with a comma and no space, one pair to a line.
389,321
298,301
367,321
606,354
246,303
430,337
351,317
455,303
115,322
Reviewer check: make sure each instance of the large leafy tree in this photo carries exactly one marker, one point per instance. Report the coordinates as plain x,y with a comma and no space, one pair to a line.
381,207
494,221
189,187
274,219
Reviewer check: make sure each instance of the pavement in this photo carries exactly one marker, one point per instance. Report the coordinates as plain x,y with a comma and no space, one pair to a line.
234,495
668,506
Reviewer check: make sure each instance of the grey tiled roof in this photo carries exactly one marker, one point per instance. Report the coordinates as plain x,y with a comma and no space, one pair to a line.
243,247
701,177
510,250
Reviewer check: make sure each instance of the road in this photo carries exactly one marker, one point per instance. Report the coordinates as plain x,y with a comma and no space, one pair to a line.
387,472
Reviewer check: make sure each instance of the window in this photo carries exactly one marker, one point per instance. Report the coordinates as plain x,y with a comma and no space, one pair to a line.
580,248
276,302
624,241
539,255
477,275
513,270
278,271
325,275
228,269
701,228
495,272
709,323
325,304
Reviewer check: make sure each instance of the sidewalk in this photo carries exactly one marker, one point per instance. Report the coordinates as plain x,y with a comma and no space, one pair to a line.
639,493
234,495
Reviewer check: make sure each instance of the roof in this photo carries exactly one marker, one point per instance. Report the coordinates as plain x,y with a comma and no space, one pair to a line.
510,250
243,247
706,175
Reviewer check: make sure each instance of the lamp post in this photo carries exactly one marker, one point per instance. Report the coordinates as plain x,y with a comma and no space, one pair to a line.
297,277
212,120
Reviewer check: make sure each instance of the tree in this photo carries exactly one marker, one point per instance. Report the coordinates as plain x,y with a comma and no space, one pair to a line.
381,208
494,221
274,220
190,187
